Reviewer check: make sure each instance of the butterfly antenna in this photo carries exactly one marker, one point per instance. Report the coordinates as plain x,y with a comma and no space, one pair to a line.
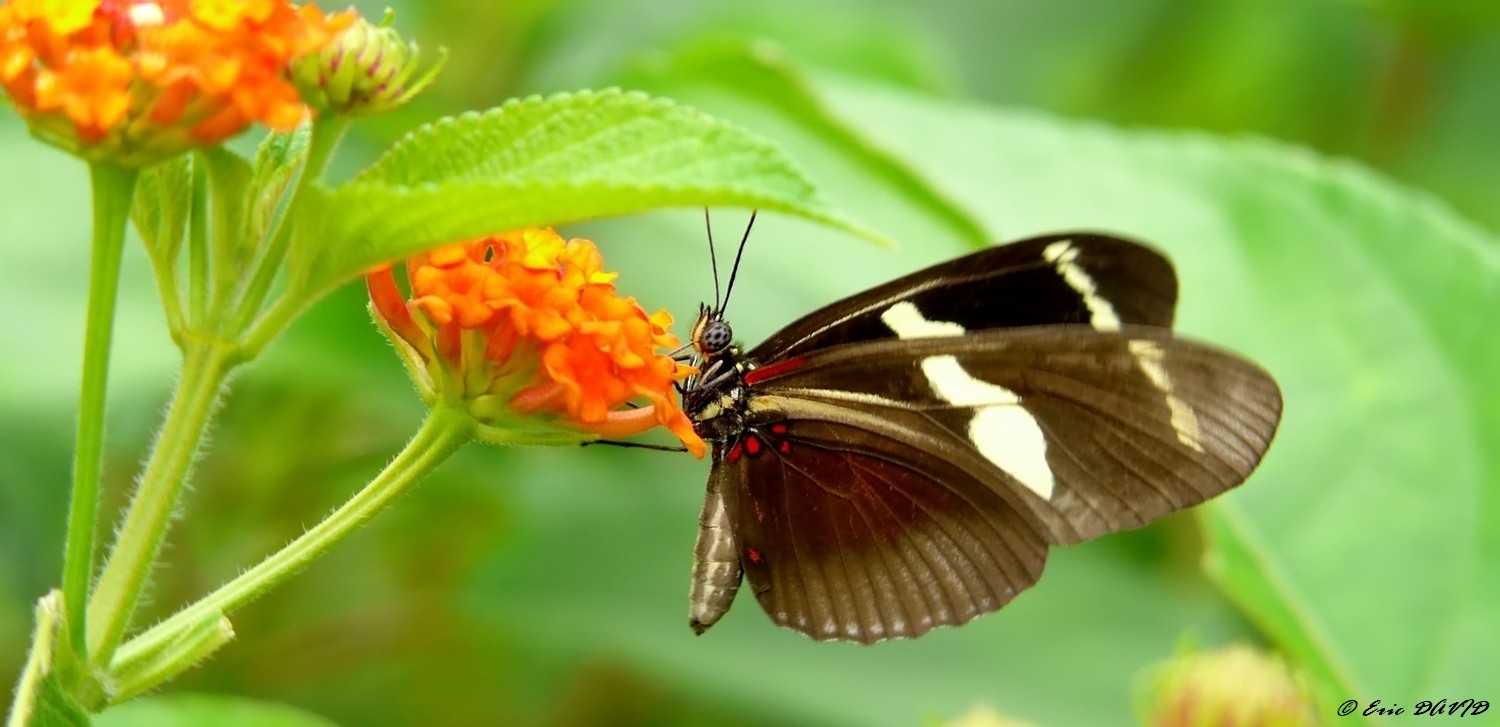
633,445
736,269
713,259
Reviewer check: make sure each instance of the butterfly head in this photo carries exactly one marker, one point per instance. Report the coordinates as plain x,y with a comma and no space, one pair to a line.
714,397
711,334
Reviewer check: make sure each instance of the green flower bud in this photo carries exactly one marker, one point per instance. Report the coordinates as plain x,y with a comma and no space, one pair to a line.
984,716
368,69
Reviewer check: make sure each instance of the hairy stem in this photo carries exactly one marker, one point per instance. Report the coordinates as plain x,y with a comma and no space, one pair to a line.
204,370
114,187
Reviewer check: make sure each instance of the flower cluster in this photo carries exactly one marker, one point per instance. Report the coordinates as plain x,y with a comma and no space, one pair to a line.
534,320
138,80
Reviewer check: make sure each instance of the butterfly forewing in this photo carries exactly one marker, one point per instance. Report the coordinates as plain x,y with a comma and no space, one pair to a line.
1095,431
1071,278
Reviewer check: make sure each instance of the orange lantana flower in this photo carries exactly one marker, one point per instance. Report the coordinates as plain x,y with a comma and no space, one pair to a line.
527,324
135,81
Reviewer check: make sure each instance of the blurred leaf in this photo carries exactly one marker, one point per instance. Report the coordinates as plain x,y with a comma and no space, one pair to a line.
760,70
1281,275
1422,500
544,161
1361,297
597,569
195,710
1441,17
575,43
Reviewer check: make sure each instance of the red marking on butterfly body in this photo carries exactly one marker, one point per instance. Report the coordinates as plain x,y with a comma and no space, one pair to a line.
734,453
756,376
752,445
753,555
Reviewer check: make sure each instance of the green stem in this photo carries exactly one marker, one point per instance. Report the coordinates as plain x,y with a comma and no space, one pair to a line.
327,131
194,645
114,187
204,369
445,430
270,325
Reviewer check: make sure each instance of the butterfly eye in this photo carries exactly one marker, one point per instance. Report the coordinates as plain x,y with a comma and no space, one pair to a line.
716,337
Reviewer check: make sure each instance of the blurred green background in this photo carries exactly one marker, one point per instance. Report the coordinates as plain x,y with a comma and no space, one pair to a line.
547,587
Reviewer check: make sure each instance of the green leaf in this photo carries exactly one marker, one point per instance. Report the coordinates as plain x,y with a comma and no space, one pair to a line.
161,209
40,701
1376,517
595,567
193,710
277,161
163,199
761,71
232,248
55,708
1412,289
554,160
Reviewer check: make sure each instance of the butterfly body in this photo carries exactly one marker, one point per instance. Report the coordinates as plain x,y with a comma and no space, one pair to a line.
903,458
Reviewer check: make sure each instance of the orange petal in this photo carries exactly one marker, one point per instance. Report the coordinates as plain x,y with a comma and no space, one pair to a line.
391,307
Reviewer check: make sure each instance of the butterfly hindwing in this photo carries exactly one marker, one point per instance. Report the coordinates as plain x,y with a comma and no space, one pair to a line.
846,535
1082,278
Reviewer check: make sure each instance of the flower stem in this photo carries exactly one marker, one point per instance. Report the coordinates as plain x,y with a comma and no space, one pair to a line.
445,430
204,369
269,326
114,187
327,131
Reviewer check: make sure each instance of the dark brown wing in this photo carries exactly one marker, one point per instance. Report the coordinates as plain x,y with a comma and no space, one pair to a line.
847,535
1089,431
1038,281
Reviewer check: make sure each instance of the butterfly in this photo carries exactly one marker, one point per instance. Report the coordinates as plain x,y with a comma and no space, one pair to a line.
903,459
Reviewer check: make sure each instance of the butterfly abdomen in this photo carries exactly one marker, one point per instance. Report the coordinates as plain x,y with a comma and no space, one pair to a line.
716,562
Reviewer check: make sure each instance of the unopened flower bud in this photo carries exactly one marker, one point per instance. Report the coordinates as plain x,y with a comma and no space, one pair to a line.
368,69
1235,686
